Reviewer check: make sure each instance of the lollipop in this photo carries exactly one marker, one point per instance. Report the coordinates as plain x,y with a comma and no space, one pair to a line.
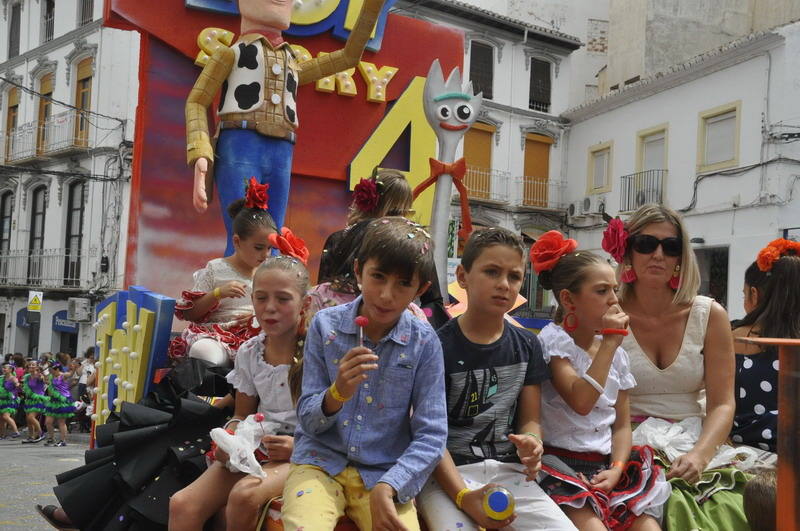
361,322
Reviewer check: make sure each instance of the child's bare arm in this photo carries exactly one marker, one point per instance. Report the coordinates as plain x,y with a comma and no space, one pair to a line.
528,439
620,445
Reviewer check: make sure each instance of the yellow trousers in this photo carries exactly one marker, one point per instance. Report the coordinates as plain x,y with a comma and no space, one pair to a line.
313,500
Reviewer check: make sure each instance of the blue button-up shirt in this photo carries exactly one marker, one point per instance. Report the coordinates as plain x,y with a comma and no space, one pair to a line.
394,428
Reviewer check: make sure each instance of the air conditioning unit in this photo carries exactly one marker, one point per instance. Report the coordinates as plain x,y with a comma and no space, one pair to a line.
586,205
593,205
79,310
574,209
648,195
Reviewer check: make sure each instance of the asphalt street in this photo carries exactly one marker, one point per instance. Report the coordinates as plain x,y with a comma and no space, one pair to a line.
27,477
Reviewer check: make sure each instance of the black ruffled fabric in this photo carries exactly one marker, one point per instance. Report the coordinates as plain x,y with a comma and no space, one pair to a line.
145,454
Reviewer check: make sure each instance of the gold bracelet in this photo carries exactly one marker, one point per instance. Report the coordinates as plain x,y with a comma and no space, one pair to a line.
460,496
336,394
217,293
618,464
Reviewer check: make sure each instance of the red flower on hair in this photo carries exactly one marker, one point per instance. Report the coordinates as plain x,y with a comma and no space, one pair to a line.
773,252
549,249
615,239
366,196
256,195
290,245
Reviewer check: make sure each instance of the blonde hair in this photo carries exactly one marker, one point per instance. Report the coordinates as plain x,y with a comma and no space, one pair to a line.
395,194
690,273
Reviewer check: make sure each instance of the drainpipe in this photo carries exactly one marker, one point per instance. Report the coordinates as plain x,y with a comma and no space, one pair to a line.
762,185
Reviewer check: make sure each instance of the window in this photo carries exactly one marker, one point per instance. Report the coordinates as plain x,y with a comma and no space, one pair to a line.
478,151
85,12
74,235
48,20
718,138
83,101
599,169
481,68
45,112
539,93
11,120
652,151
6,211
13,30
36,242
537,170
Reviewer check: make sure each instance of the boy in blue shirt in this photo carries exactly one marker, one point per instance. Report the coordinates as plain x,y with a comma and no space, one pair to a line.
493,372
372,418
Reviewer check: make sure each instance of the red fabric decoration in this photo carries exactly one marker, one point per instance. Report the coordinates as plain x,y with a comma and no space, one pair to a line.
456,170
549,249
256,195
366,196
290,245
186,302
615,239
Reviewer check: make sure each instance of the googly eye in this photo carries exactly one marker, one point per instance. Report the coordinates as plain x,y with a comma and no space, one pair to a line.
464,112
444,112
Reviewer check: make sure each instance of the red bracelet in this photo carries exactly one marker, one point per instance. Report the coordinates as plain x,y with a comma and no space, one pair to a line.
614,332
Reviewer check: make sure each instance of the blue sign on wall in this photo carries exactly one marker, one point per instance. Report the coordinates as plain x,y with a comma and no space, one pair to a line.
62,324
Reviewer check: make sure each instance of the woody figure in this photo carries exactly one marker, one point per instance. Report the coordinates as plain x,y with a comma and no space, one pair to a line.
258,78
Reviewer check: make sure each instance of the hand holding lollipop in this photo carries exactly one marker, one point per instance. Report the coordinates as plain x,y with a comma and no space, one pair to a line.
353,366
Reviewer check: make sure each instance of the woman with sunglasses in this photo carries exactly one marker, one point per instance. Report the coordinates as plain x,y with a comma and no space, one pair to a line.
681,353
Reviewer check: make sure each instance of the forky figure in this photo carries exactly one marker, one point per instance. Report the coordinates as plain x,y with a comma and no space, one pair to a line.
450,109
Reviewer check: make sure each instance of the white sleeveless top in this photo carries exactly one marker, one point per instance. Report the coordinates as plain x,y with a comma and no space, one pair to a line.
678,391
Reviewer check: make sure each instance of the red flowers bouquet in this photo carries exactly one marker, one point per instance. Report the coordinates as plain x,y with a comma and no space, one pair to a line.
772,252
366,196
256,195
615,239
549,248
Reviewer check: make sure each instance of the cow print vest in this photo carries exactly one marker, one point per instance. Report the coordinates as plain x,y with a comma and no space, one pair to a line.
262,79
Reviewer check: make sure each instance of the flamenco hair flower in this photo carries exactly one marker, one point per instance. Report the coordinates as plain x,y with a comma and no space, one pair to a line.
290,245
549,249
366,196
256,195
615,239
773,252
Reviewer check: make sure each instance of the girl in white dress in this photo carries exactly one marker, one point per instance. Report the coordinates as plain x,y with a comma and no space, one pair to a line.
267,375
219,304
589,467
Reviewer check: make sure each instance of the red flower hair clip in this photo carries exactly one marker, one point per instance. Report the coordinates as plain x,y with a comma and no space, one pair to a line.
366,196
549,249
615,239
773,252
256,195
290,245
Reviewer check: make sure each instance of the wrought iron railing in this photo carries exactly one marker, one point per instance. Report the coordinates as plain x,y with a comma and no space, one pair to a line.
48,26
20,142
87,12
57,133
46,268
542,192
640,188
487,184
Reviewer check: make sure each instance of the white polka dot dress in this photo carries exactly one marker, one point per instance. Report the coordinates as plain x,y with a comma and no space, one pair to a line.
756,420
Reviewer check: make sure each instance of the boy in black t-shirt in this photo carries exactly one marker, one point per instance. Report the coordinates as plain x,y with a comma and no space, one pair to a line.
492,375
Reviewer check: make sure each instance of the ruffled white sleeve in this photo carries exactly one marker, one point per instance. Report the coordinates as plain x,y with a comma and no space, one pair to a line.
626,379
204,279
241,377
556,343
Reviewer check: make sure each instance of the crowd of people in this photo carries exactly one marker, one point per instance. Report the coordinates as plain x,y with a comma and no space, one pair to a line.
51,391
619,414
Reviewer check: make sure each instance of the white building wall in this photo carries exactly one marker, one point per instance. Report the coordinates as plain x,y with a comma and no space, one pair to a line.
743,210
106,162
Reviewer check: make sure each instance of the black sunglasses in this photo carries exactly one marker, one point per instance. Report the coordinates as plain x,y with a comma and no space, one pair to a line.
646,244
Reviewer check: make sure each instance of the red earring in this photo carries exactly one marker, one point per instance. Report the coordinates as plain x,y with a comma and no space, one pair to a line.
570,322
675,279
628,274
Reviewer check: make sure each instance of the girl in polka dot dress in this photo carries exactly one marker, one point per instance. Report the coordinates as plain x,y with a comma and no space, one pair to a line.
772,302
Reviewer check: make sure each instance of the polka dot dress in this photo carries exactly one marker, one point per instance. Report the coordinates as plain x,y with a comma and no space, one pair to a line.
756,420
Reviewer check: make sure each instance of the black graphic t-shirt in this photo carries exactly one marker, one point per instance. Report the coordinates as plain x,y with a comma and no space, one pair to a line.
483,383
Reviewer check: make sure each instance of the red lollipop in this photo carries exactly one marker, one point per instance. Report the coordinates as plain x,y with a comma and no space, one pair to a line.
361,322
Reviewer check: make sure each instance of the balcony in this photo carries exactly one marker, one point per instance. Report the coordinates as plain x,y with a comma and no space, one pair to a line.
48,26
542,192
641,188
86,12
486,184
42,268
65,131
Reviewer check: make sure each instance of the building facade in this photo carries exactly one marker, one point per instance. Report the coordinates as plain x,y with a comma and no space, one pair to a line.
715,138
67,90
